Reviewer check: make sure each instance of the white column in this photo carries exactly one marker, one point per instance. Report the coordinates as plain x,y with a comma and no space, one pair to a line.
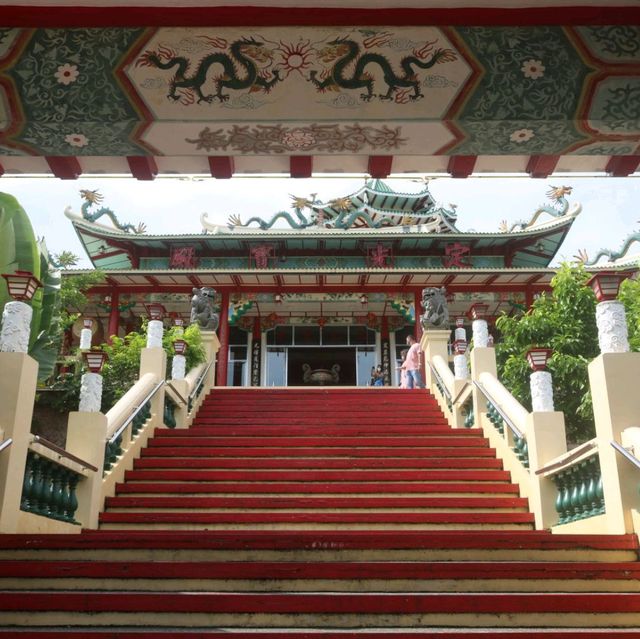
612,327
178,367
155,329
460,368
480,333
541,391
16,327
90,393
85,339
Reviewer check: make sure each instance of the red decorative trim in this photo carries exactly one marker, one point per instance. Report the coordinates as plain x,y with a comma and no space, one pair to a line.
461,166
622,165
221,167
1,170
380,165
60,17
64,167
300,166
542,166
143,167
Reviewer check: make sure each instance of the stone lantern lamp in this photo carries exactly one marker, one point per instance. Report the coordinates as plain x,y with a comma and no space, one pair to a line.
16,317
155,328
86,334
179,363
610,315
460,368
540,382
478,313
91,383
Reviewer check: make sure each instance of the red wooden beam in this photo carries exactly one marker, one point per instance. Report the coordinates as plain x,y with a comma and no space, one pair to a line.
542,166
301,166
1,170
622,165
221,166
64,167
380,165
143,167
240,16
461,166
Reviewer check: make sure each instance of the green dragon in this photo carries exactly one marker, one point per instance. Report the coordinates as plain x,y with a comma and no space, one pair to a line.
348,51
611,254
94,197
243,52
557,195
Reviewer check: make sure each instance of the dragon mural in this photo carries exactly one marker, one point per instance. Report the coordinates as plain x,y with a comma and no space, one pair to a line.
559,209
248,53
342,53
92,198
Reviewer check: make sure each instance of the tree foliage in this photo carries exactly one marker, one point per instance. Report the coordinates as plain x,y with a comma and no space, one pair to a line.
564,321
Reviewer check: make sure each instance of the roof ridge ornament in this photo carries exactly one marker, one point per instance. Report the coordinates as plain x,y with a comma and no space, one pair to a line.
95,198
614,256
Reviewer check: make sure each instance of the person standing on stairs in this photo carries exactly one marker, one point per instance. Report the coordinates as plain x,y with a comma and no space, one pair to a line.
404,376
412,364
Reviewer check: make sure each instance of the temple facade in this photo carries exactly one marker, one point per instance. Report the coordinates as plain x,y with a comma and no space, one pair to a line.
323,292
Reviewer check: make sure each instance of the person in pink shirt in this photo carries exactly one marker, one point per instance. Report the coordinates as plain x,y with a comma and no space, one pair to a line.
412,364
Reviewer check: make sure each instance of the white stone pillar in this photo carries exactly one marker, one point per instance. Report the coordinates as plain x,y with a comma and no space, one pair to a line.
612,327
90,393
460,334
541,391
480,333
178,367
85,339
16,327
460,368
155,330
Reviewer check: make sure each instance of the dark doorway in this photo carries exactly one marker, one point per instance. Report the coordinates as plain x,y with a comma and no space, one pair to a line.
322,358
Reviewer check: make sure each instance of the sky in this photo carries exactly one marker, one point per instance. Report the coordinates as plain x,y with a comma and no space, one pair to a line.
172,205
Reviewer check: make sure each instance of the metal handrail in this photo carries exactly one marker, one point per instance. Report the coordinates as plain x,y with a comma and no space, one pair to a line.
438,377
514,429
566,461
6,443
173,390
200,380
131,417
61,452
629,456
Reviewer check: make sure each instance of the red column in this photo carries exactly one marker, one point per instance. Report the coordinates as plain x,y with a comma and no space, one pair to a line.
255,356
418,327
223,336
114,315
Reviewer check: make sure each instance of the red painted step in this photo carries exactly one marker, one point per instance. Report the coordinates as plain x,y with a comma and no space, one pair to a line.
316,488
324,603
357,430
316,502
233,518
330,570
317,475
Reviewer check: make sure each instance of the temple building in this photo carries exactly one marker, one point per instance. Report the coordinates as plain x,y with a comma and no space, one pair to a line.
323,292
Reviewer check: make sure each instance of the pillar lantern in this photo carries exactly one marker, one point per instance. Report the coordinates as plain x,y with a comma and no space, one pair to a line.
178,324
460,333
540,382
610,315
16,317
179,362
155,328
86,334
477,313
91,383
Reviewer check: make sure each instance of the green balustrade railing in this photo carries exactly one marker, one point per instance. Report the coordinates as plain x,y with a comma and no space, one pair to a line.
49,489
580,491
141,418
521,450
169,412
469,418
495,417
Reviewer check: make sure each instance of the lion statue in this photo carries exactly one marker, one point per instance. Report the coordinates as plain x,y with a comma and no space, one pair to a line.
436,313
202,309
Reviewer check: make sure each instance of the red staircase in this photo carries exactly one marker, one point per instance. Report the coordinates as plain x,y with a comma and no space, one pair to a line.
318,514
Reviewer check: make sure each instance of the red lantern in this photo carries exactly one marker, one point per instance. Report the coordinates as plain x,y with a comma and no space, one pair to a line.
155,311
478,311
180,347
460,347
87,323
22,285
95,360
178,321
538,357
606,284
459,322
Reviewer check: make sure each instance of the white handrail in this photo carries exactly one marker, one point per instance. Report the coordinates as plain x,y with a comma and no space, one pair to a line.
129,403
506,404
